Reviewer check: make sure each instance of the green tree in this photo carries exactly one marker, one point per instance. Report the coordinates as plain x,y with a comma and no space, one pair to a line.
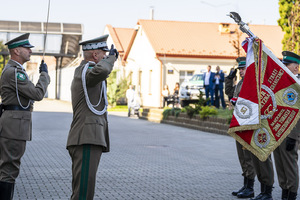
289,22
116,91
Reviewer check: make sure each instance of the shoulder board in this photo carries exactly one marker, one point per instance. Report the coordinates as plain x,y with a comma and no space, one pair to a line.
21,76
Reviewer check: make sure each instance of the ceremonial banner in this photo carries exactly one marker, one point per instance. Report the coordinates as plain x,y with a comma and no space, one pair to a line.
246,113
263,118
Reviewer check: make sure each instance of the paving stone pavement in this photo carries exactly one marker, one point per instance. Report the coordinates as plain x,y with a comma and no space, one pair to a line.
148,161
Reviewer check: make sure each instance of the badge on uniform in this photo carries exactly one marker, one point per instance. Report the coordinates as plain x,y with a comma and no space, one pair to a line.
21,76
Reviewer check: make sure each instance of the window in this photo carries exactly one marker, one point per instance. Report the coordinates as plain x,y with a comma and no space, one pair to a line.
185,75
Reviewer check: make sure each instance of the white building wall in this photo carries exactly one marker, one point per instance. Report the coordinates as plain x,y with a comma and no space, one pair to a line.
195,65
64,81
118,64
145,69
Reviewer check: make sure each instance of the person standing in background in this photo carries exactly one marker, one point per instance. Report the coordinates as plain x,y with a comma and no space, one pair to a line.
219,82
165,94
176,95
208,78
130,98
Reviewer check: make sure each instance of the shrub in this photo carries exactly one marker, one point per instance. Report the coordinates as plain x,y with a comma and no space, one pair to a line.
190,111
174,112
207,111
201,100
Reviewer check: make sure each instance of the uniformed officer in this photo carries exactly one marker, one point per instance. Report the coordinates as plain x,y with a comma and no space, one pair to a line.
286,155
244,155
88,136
18,94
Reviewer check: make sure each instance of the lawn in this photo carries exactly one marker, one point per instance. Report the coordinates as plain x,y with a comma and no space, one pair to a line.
118,108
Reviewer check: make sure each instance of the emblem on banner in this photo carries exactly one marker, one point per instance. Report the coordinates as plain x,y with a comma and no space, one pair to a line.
261,138
268,113
243,110
290,96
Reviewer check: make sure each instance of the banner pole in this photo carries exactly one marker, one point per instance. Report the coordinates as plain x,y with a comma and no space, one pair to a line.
45,38
243,26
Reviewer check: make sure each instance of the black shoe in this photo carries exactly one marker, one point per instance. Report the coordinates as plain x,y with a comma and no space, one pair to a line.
292,196
248,192
258,197
284,194
6,190
234,193
267,194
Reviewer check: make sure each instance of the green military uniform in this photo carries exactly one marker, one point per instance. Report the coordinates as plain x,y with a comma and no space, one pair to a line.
18,94
286,160
265,175
243,154
88,136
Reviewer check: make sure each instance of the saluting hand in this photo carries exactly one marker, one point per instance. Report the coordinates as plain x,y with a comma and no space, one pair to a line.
232,74
113,51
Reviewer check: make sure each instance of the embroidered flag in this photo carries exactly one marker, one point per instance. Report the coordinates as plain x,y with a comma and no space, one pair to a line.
264,118
246,112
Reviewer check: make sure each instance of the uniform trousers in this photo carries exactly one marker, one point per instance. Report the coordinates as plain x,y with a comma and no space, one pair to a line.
245,161
287,169
11,152
85,161
264,170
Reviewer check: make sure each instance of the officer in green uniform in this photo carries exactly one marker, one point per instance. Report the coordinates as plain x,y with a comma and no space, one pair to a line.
18,94
286,155
244,155
88,136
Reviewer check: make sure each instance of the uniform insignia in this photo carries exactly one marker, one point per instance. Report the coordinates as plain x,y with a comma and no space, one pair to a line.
290,96
261,137
21,76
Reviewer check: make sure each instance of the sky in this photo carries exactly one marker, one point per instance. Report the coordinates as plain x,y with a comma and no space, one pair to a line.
96,14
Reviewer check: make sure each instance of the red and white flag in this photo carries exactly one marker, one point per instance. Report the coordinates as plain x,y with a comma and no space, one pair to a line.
267,108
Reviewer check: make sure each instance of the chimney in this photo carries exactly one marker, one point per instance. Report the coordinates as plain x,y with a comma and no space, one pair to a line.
151,12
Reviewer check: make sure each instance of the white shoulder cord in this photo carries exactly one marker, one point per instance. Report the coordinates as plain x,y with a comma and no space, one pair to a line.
18,92
88,102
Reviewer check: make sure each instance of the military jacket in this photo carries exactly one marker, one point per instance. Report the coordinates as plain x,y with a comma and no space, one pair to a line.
295,133
238,88
229,87
87,127
232,90
15,124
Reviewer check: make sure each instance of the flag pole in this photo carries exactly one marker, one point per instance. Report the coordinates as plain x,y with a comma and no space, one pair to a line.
46,31
243,26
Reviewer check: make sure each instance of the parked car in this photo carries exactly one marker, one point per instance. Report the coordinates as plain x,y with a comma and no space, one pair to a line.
190,90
